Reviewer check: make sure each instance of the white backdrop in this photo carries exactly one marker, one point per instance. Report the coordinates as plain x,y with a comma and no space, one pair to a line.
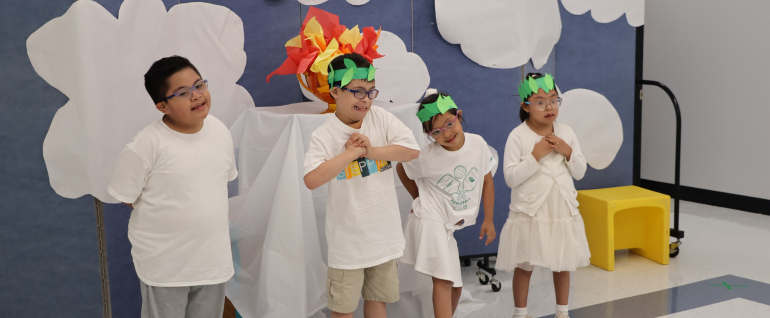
693,48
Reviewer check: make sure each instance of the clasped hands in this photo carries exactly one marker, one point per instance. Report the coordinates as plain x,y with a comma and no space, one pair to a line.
551,143
359,144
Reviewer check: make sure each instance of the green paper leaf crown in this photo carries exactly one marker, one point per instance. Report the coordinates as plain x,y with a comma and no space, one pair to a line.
440,106
350,72
531,86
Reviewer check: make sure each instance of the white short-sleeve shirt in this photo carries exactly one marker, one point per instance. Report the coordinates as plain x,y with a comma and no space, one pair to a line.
363,222
450,182
177,183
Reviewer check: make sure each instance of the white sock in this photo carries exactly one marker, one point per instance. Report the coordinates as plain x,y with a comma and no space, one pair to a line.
520,312
563,309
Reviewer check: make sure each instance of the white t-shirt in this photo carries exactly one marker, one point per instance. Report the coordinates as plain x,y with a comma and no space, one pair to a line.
363,222
450,182
177,183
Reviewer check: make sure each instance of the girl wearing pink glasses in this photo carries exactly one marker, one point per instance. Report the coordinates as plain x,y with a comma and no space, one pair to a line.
544,226
448,182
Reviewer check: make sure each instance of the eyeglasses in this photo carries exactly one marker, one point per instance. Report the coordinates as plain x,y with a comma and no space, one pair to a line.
541,105
451,124
360,93
186,92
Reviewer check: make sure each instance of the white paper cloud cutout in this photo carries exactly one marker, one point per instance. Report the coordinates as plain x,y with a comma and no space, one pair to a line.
401,76
315,2
99,62
501,33
605,11
596,124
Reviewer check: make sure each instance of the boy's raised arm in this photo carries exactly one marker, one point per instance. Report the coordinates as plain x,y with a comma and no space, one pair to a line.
393,153
331,168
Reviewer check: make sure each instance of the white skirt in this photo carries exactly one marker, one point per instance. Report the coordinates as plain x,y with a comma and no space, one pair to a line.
432,249
552,238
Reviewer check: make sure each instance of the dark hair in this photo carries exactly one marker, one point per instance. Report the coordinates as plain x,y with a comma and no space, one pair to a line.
338,63
524,115
432,98
156,78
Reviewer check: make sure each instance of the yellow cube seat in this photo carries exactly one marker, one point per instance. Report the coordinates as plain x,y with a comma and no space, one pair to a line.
628,217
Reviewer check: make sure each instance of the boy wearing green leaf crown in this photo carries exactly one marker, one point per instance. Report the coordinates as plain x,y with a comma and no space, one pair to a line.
352,151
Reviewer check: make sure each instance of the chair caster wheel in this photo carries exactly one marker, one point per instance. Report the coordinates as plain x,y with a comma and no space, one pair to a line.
496,285
673,250
483,278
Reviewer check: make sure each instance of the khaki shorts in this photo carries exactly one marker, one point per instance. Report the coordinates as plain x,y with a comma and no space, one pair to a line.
345,287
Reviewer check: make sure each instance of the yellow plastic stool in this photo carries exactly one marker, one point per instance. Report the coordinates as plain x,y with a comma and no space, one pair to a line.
625,218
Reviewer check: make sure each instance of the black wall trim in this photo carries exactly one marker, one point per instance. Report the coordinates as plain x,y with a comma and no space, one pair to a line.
638,106
715,198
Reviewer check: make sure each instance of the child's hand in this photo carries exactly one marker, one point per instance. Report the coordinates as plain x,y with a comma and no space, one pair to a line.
542,148
489,228
559,145
359,151
360,140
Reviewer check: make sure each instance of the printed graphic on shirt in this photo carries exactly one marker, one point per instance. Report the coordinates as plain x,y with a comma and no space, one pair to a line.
363,167
458,185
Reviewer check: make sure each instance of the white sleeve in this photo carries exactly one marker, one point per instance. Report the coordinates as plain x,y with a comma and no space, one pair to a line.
129,176
517,167
316,153
397,133
489,159
233,165
577,162
413,168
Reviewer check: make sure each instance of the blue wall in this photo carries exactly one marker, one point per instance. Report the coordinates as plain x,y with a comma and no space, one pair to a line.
49,264
601,57
48,254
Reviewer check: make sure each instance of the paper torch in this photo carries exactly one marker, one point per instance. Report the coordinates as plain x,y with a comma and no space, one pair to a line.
320,40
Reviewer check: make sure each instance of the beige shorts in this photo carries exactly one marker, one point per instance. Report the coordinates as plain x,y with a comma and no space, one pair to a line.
345,287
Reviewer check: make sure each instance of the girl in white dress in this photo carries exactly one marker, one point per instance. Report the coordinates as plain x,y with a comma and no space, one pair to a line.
449,180
544,227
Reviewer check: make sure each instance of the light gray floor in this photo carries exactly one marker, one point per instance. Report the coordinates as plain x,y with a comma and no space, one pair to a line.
719,242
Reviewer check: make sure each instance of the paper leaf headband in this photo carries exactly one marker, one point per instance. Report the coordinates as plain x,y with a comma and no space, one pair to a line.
531,86
440,106
350,72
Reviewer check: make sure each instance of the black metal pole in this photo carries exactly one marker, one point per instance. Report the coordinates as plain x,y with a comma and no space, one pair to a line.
678,234
637,180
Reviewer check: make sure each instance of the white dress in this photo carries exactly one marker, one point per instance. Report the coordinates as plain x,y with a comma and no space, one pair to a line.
450,185
432,249
552,238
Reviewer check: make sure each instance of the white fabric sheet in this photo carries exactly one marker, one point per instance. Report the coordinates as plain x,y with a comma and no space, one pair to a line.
277,232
